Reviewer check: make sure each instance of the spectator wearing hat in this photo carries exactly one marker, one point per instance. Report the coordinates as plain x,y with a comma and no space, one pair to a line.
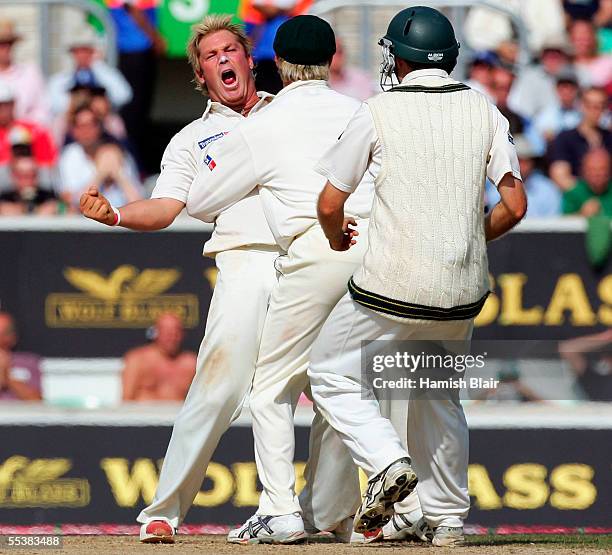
348,79
25,79
88,70
568,149
592,195
593,69
95,159
480,73
15,131
563,114
26,193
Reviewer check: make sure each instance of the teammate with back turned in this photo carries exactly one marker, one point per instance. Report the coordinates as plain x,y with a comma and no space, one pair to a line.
425,271
277,152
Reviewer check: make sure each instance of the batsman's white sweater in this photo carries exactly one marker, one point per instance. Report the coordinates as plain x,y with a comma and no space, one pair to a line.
429,206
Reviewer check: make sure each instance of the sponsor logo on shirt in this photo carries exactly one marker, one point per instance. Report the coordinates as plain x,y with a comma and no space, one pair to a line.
210,163
205,142
435,56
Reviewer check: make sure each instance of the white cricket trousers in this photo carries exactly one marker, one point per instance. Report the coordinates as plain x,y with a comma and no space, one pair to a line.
224,373
437,434
313,278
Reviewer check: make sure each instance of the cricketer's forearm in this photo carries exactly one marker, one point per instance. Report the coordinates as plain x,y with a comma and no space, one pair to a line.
509,211
150,214
330,211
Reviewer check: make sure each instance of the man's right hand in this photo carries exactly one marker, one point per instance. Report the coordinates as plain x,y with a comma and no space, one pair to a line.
94,205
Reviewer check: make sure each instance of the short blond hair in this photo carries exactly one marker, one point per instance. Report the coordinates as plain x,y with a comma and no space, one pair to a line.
209,25
290,73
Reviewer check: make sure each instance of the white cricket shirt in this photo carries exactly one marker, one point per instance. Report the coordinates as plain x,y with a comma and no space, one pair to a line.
278,150
359,150
242,224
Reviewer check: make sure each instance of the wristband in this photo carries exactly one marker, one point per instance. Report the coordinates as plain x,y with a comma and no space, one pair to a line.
117,216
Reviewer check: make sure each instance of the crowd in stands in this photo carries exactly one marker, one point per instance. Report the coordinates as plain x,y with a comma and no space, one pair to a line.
558,103
58,137
85,125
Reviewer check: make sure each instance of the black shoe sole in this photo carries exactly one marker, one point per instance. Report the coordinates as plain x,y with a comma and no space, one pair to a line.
380,513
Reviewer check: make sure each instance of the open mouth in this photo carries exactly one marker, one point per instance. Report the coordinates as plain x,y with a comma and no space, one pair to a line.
228,77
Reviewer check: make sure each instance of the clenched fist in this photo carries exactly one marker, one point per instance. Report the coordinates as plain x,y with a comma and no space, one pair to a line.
95,206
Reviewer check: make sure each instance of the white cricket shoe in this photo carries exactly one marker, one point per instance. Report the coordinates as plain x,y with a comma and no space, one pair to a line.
448,536
366,537
157,531
269,529
388,487
401,528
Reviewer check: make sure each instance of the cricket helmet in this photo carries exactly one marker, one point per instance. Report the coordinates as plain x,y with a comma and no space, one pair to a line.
422,35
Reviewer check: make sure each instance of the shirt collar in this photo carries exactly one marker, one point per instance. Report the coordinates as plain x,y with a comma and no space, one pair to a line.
298,84
420,73
212,106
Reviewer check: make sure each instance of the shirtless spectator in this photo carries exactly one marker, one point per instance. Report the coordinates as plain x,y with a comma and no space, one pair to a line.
159,371
19,372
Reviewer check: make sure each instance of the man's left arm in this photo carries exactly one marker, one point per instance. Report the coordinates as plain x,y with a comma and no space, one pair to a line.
504,171
227,176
